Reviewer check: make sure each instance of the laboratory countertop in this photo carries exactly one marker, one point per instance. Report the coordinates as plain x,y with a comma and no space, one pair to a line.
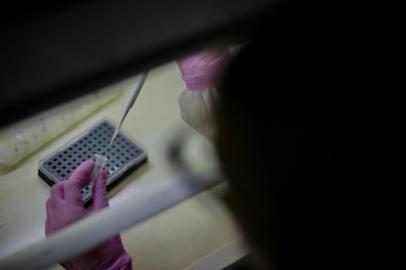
176,238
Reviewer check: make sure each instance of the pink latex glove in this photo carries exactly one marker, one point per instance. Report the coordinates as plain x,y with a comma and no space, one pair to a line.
65,206
205,68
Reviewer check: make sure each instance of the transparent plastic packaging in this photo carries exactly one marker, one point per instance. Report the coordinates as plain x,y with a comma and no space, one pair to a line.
21,139
196,109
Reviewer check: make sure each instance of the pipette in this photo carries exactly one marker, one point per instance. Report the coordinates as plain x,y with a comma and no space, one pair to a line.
137,88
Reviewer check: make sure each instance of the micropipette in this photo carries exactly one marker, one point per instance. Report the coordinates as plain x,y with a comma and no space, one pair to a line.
137,88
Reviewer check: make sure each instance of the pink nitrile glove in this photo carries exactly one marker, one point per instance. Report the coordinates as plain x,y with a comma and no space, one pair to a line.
65,206
204,69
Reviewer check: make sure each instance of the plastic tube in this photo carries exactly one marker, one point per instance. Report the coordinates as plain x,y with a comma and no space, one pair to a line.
100,162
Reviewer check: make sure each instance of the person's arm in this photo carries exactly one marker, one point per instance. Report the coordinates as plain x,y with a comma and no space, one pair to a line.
65,206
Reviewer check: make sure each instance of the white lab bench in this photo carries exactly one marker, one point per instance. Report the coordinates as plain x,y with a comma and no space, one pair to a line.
192,232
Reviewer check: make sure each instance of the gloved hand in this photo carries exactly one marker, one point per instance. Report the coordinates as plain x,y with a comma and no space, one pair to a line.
201,72
204,69
65,206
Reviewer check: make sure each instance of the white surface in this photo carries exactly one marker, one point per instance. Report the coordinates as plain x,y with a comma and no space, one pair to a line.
222,257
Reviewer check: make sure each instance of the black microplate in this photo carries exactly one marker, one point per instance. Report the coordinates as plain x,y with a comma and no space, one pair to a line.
124,156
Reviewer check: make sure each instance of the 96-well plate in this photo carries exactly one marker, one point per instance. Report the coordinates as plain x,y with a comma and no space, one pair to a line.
124,156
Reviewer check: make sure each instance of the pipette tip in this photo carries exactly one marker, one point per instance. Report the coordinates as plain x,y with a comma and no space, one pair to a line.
114,136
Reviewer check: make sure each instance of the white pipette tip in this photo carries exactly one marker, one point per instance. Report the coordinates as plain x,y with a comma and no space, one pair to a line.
114,136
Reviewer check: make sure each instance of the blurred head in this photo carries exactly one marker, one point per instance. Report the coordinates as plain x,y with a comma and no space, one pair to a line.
293,128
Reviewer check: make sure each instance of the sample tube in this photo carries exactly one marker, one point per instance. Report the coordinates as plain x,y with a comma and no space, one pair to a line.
99,164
